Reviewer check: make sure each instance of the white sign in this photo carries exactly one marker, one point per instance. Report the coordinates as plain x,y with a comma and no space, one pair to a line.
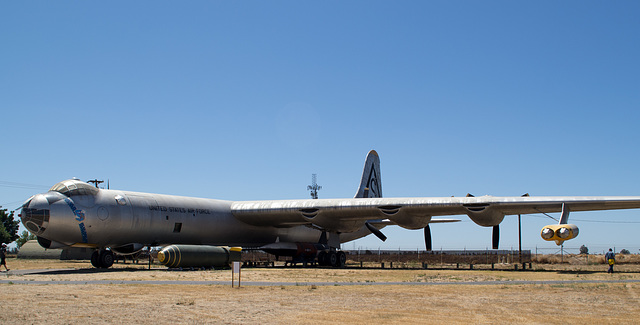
235,268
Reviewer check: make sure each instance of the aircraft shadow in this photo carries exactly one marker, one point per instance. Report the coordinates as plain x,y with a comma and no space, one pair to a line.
88,271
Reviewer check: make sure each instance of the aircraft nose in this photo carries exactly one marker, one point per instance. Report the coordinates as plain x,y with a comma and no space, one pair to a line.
35,214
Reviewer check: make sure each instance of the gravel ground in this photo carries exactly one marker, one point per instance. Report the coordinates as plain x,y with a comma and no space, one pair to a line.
303,303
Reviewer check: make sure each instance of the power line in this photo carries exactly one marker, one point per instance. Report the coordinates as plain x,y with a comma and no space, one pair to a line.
14,203
19,185
22,185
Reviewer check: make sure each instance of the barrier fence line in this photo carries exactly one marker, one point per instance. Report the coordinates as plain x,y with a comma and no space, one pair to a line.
429,257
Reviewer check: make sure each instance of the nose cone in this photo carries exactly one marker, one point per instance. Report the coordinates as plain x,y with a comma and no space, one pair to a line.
35,214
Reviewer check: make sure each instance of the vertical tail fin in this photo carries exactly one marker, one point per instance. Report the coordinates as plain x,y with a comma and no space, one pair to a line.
371,183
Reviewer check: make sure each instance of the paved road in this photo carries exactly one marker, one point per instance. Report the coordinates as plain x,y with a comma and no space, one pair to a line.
263,283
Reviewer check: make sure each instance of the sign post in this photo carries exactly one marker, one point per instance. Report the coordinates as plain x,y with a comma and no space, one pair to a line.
235,268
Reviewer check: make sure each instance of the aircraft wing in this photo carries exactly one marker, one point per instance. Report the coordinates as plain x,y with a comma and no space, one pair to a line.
348,215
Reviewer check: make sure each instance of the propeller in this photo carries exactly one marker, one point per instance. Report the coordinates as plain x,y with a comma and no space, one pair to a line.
375,231
427,238
496,236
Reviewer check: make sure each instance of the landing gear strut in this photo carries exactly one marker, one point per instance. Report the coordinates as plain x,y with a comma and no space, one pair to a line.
102,259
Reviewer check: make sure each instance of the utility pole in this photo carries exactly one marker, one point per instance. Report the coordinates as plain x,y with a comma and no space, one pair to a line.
314,188
519,240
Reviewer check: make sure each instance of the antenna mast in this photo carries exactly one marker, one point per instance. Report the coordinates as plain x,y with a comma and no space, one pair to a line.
95,182
314,188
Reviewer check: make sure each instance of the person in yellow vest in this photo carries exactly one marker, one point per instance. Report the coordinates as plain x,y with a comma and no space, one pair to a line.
610,258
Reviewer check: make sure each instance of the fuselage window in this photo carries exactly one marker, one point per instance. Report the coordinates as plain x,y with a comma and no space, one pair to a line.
120,199
74,187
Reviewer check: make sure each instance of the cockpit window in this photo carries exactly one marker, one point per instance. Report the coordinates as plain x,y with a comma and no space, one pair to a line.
74,187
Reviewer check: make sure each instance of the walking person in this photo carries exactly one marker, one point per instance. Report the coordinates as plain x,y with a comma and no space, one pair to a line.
3,256
610,258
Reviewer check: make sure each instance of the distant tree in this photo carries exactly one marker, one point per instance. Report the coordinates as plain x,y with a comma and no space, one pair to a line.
624,251
8,227
584,249
25,236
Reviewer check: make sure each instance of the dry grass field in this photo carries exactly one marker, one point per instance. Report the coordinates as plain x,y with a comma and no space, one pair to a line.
302,303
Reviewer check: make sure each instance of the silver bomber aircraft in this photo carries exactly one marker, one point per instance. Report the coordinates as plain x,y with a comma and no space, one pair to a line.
76,214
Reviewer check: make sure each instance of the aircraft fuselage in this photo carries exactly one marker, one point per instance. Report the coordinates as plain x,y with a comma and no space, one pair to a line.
109,218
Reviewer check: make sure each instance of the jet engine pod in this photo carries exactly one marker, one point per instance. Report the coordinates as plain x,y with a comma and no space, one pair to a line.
174,256
559,233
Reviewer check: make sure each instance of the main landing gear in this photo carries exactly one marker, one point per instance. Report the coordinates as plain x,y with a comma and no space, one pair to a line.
332,258
102,259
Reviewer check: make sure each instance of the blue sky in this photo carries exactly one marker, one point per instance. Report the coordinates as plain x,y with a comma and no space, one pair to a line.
245,100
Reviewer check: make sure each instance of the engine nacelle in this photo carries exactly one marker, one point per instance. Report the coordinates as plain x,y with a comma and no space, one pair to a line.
199,256
412,222
484,215
559,233
48,244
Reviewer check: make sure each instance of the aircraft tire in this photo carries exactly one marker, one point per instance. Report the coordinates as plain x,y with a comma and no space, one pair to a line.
322,259
106,259
333,259
95,259
342,259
